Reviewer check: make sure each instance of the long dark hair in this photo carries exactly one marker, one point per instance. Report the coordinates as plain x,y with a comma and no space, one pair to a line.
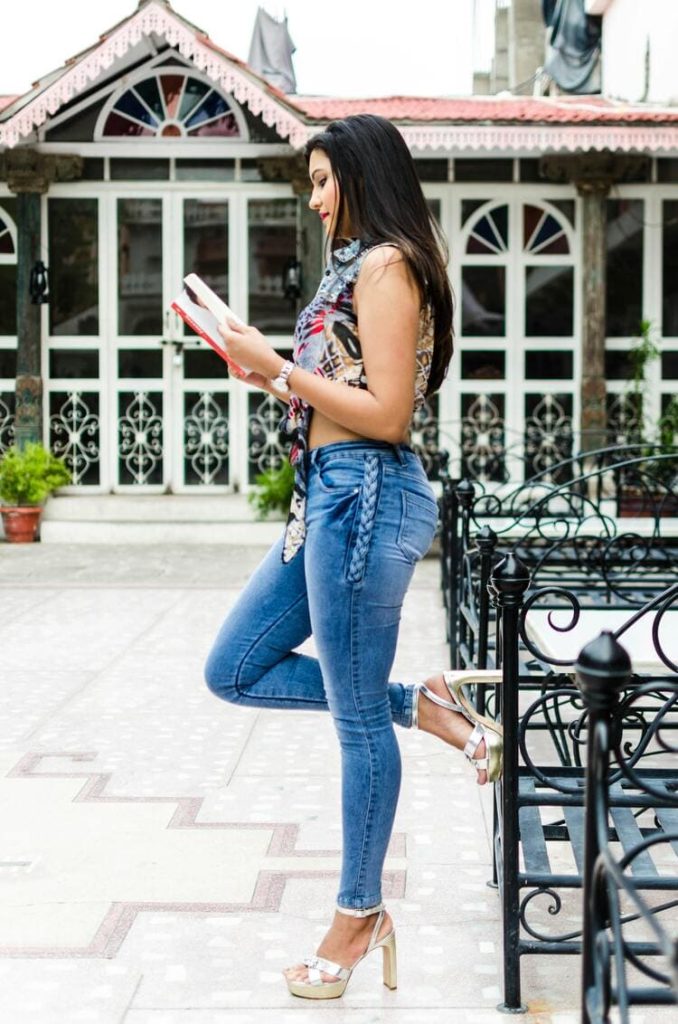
381,198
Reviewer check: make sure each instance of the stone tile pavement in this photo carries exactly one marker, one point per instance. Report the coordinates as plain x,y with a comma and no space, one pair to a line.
163,856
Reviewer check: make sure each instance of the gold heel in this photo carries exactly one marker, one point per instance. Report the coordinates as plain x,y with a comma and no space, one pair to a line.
316,988
390,961
455,683
484,729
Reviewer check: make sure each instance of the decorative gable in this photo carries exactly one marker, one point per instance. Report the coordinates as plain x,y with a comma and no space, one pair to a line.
229,76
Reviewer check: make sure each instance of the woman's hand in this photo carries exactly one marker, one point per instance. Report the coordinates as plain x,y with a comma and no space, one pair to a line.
257,380
248,348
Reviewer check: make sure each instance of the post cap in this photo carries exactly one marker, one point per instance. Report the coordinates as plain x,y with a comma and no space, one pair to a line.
603,667
510,575
465,488
486,537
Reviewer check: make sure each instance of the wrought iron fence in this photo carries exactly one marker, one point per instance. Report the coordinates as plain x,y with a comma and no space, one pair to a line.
541,829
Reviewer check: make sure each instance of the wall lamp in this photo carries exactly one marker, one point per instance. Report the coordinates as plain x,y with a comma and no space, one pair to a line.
38,284
292,280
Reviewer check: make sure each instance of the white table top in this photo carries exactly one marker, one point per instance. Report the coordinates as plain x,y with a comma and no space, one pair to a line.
637,639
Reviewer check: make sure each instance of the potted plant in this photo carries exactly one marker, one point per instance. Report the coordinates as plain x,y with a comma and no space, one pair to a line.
273,490
647,486
27,477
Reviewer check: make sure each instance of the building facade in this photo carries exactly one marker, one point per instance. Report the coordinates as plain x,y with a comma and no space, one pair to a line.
155,153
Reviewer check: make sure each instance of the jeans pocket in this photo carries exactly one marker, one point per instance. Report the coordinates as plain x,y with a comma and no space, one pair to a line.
418,523
340,475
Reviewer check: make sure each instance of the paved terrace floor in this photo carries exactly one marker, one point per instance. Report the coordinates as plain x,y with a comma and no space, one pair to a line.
164,855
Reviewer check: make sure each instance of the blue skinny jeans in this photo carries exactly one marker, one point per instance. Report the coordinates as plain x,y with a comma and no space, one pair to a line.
371,515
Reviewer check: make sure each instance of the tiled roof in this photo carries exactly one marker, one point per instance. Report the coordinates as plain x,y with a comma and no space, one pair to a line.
484,124
490,109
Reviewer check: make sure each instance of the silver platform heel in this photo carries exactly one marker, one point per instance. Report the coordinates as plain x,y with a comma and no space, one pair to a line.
484,728
316,988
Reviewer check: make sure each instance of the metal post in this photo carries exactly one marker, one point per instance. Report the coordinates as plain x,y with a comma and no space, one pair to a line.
510,580
593,386
464,493
487,542
603,671
29,175
28,407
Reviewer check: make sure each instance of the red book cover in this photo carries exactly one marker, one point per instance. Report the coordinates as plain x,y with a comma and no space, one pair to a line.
205,324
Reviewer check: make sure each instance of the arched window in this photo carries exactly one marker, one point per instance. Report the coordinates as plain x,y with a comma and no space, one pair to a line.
518,345
7,239
543,235
170,105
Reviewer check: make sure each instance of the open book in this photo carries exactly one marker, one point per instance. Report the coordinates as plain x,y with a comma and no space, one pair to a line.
203,311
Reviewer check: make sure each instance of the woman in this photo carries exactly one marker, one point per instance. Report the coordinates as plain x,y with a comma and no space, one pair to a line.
375,340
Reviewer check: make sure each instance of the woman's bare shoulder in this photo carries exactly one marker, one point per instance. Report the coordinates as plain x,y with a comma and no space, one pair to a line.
384,255
385,264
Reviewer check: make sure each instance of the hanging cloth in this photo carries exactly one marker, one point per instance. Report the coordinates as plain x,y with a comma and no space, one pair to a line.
271,52
573,57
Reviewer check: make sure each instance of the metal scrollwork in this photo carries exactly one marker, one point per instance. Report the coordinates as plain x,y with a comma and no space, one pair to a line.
569,738
206,438
662,603
140,438
482,441
548,437
570,603
656,705
553,908
266,450
623,419
74,432
425,436
6,423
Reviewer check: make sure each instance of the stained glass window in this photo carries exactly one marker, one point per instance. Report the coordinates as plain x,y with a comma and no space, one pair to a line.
171,106
6,240
489,235
542,233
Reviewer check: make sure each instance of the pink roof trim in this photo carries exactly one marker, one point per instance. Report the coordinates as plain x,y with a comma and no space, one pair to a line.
502,109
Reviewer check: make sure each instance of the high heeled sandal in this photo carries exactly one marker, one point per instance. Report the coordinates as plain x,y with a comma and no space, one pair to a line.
315,988
484,728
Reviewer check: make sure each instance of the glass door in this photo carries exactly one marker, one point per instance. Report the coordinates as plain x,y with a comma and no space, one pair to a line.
171,391
140,403
202,394
518,342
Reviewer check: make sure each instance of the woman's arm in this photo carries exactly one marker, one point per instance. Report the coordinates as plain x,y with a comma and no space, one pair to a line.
387,302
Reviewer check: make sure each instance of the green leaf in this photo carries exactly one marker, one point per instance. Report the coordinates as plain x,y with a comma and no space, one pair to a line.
30,474
273,490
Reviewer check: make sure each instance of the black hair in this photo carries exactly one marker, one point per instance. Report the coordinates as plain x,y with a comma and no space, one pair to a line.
380,197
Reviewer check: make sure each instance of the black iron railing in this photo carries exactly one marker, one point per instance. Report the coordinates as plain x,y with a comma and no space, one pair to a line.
613,902
540,822
564,532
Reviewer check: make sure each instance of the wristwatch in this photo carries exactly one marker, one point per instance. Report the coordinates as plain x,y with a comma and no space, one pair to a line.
280,382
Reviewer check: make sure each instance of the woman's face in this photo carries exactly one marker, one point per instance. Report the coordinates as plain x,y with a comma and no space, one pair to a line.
325,194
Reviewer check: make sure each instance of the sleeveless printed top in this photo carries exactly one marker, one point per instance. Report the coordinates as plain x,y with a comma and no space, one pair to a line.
327,342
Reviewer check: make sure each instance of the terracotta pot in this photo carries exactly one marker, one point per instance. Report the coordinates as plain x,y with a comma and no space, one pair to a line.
647,504
21,522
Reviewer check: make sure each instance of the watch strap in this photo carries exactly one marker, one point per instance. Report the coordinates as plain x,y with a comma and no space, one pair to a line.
280,382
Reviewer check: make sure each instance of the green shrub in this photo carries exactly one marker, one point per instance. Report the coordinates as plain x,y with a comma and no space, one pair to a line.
29,475
274,490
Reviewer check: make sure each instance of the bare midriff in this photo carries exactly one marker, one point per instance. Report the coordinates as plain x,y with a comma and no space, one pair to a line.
323,430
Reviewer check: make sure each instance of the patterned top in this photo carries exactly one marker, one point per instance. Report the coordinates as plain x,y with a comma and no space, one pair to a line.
327,342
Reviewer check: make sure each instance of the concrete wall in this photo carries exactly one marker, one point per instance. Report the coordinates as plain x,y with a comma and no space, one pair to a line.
527,39
629,27
499,75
